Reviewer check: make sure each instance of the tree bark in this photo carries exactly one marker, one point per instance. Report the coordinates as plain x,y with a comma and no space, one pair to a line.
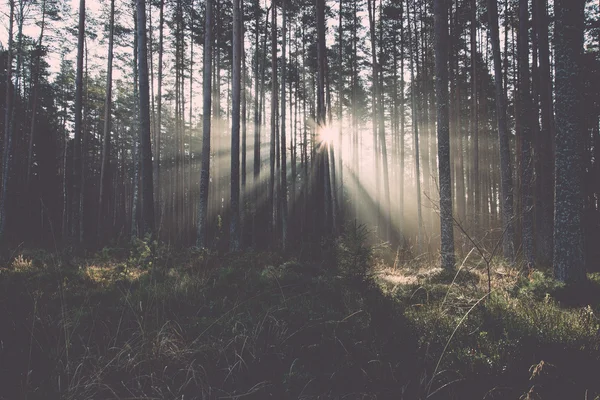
569,258
274,106
105,166
8,122
234,229
147,184
443,132
546,170
77,157
206,109
283,191
526,120
415,129
506,188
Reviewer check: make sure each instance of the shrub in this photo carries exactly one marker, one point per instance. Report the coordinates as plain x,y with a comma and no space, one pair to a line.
353,253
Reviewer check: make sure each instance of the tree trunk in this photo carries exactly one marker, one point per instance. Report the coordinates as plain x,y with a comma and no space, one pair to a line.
274,105
546,170
473,189
443,132
569,257
159,197
526,119
206,109
147,185
283,191
402,124
506,188
374,114
322,172
34,85
77,164
234,229
340,113
415,128
105,167
8,128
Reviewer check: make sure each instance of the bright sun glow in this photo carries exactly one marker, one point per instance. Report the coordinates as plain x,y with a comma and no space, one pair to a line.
328,134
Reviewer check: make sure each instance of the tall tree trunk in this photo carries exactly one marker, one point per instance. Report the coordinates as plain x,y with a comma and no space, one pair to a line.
546,170
77,156
569,257
135,152
475,175
382,140
322,172
355,155
283,191
105,167
244,89
234,229
159,198
402,123
374,116
188,200
147,185
506,188
258,76
274,105
85,134
206,109
340,112
34,85
526,119
443,132
8,126
415,129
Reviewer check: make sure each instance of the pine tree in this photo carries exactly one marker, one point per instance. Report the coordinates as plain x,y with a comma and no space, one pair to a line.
443,132
206,109
569,259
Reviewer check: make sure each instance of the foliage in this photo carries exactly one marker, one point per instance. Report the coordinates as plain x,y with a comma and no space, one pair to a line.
354,253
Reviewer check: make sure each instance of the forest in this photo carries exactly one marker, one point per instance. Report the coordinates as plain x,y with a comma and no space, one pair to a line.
299,199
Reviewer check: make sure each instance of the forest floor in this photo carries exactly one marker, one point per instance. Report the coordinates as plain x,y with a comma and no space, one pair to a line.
151,323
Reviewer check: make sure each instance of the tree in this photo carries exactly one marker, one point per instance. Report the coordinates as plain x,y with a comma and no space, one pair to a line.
475,175
526,124
35,88
374,100
569,259
415,129
77,204
320,164
159,99
206,107
238,40
545,153
147,185
8,125
105,167
506,188
443,132
283,191
274,112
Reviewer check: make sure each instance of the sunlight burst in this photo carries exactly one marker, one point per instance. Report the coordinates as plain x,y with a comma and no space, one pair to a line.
328,134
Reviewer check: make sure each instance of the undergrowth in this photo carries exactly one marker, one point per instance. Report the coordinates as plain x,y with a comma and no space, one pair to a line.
150,323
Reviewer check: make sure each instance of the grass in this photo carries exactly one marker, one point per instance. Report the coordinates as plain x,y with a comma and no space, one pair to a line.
150,323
